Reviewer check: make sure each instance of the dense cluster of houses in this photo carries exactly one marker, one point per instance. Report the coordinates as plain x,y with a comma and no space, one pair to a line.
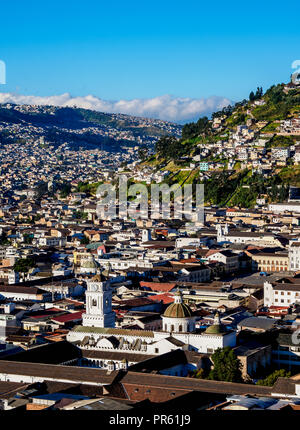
114,295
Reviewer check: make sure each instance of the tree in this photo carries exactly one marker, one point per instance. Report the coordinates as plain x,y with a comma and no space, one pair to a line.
251,96
28,238
193,129
80,215
23,265
272,378
169,147
143,153
40,190
197,373
65,190
84,241
4,240
258,95
227,366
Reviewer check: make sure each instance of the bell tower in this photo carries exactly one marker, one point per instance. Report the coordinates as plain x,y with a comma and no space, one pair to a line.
98,306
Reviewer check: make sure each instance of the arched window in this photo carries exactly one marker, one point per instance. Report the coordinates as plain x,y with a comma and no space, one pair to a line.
172,327
180,327
94,302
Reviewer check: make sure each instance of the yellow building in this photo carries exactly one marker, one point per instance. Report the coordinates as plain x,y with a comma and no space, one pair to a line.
267,262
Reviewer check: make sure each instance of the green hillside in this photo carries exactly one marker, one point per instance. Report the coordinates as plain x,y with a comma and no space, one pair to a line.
240,186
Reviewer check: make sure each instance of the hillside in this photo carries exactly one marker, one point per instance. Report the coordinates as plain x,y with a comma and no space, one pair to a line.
80,127
243,153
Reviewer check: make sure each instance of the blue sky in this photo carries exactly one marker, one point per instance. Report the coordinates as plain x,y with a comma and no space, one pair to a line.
125,50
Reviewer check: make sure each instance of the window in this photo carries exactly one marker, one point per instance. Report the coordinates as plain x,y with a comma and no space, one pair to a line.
156,350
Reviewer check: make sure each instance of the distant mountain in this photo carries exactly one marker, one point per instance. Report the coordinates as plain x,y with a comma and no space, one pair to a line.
165,107
80,127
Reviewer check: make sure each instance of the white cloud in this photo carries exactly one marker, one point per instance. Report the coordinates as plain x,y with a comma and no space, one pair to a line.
169,108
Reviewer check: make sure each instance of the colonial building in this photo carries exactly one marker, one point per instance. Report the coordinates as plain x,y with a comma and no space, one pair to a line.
98,304
281,294
294,255
178,328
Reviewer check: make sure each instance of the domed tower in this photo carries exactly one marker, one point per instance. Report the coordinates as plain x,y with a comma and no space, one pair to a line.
98,306
178,316
89,266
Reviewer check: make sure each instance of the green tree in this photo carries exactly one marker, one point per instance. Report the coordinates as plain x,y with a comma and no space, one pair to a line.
40,190
272,378
143,153
84,241
28,238
227,366
193,129
23,265
65,190
80,215
199,374
165,146
252,96
4,240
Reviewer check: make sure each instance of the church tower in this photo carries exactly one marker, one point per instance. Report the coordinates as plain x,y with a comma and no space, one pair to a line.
146,235
98,306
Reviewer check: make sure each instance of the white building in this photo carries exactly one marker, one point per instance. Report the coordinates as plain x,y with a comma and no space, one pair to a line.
294,255
182,242
52,241
284,295
284,207
280,153
178,328
98,304
247,237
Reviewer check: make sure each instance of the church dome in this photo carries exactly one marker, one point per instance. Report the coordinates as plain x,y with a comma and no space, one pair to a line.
217,327
178,309
89,264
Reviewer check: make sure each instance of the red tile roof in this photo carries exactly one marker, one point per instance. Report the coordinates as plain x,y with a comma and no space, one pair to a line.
68,317
158,286
189,260
166,298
